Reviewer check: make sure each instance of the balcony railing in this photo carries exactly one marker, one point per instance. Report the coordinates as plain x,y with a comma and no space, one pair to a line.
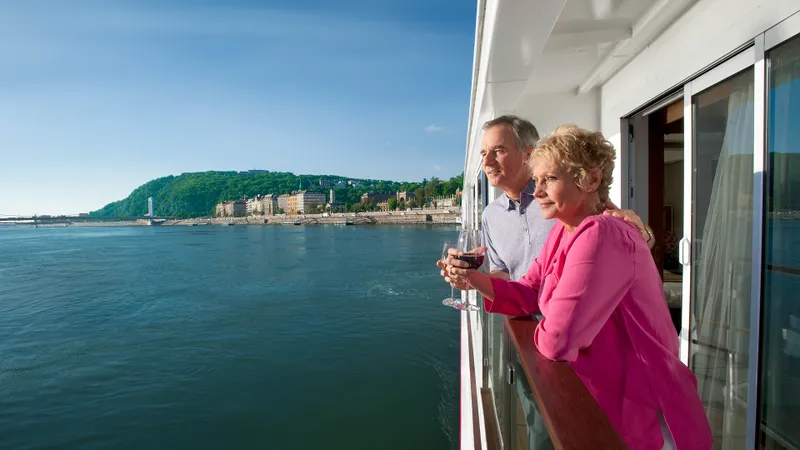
572,417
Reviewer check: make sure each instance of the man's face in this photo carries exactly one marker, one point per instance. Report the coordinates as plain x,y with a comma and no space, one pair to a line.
503,162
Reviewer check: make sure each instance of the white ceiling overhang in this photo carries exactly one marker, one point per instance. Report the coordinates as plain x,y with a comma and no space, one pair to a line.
541,47
514,34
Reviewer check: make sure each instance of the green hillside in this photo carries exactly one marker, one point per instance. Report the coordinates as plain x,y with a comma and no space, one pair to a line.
196,194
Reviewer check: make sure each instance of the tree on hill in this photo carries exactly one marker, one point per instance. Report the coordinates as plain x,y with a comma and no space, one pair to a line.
419,195
197,194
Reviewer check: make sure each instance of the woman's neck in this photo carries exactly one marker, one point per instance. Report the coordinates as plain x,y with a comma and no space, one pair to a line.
592,207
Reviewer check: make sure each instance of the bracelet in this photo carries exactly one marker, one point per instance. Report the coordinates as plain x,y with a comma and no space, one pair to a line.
650,236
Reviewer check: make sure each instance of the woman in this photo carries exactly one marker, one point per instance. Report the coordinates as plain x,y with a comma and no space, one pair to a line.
601,296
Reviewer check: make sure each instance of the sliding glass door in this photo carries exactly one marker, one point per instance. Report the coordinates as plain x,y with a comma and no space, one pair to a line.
739,251
717,244
779,399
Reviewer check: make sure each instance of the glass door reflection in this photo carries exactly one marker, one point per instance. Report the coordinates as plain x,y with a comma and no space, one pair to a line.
721,251
779,378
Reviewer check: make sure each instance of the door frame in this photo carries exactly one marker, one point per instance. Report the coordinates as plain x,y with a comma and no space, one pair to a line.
741,61
751,57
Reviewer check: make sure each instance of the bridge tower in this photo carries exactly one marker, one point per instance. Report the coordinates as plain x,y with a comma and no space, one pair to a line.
150,206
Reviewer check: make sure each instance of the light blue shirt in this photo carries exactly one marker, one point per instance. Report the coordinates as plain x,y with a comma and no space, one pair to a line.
514,232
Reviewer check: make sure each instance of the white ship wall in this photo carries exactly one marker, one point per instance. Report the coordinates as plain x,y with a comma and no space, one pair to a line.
707,32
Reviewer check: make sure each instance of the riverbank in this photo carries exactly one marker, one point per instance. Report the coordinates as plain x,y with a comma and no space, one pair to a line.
419,216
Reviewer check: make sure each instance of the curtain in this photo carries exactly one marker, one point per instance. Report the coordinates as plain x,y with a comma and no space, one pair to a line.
723,271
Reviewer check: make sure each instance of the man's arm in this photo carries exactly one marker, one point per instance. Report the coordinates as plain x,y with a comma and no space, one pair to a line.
502,274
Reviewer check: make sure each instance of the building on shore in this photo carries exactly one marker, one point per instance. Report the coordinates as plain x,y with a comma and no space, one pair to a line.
445,201
283,203
291,204
332,205
306,200
335,207
400,196
236,208
374,197
405,196
269,205
254,206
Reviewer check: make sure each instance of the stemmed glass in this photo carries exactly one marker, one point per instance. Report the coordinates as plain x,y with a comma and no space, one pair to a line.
449,301
468,240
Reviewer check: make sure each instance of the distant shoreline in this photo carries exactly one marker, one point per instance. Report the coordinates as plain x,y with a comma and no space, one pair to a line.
420,216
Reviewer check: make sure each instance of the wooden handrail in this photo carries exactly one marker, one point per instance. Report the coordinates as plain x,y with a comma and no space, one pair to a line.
572,416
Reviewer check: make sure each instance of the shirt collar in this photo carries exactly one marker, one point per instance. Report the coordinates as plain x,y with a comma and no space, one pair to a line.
524,197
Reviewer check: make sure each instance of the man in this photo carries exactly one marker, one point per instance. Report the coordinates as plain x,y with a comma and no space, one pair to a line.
514,230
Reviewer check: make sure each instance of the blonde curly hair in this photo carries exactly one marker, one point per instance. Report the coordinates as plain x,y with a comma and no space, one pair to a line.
579,151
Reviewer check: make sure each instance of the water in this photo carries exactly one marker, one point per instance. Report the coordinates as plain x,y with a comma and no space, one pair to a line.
226,337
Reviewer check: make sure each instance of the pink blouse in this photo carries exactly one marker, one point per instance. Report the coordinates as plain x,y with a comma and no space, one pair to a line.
604,312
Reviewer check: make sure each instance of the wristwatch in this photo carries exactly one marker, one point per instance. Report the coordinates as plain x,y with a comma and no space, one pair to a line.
650,236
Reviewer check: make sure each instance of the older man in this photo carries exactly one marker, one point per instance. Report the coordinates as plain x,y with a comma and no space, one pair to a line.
514,230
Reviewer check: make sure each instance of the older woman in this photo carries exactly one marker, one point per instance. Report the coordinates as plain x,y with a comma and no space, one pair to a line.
601,296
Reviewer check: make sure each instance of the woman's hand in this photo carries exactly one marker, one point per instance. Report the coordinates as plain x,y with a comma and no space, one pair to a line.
455,271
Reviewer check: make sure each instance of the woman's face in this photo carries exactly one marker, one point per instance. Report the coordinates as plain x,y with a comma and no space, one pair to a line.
558,194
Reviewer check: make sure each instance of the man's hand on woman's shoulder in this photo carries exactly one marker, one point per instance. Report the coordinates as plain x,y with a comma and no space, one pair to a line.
630,216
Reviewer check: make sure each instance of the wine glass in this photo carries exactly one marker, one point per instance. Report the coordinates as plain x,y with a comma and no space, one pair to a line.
450,301
468,240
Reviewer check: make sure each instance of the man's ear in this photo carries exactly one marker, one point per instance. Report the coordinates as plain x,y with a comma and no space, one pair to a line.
528,152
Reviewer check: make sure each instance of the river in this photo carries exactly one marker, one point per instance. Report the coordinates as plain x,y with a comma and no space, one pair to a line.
267,337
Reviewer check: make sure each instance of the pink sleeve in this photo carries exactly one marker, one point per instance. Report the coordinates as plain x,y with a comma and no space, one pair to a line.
516,298
598,272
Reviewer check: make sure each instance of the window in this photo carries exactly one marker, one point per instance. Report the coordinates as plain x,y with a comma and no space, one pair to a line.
780,339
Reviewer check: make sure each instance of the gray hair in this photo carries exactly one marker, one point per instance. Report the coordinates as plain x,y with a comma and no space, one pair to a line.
524,132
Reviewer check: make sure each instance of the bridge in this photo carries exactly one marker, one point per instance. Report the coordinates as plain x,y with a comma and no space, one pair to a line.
66,220
37,220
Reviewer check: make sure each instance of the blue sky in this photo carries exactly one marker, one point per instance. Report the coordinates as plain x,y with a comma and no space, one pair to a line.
98,97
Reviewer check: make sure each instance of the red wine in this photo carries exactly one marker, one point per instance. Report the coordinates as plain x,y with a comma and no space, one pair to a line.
474,261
